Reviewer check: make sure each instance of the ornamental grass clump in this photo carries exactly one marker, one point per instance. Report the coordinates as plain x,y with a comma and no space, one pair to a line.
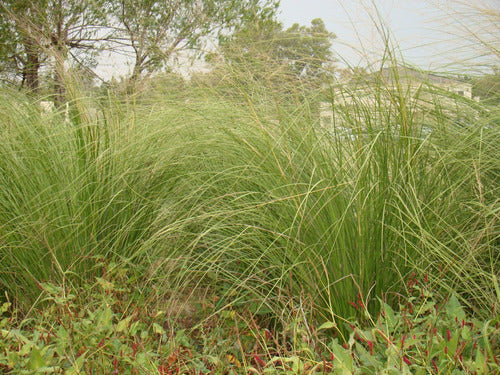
259,201
285,208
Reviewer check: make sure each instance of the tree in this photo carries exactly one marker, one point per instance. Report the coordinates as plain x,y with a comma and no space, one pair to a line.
35,33
156,29
487,87
307,50
302,52
20,50
74,29
51,30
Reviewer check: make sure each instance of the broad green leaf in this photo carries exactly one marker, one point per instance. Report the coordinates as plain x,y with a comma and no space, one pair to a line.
77,365
26,348
479,363
366,357
142,359
158,329
52,289
454,309
36,359
134,327
327,325
105,317
466,333
342,356
5,307
390,318
123,324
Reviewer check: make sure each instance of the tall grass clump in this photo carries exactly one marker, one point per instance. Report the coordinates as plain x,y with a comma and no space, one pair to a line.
254,199
283,214
290,214
242,190
77,192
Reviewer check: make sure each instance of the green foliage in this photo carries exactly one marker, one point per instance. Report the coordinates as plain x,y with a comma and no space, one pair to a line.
230,227
307,49
35,31
98,328
487,88
425,335
91,202
96,337
272,56
282,221
253,196
156,30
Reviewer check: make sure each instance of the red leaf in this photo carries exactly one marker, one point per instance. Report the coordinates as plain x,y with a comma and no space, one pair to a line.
370,345
101,343
435,366
163,370
259,361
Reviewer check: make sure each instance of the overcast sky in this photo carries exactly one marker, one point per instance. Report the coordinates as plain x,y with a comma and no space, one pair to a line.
428,33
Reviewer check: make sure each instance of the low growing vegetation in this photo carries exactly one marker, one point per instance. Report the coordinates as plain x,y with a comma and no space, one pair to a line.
109,334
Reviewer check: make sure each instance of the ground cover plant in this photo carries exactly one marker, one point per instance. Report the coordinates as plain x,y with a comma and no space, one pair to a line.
109,334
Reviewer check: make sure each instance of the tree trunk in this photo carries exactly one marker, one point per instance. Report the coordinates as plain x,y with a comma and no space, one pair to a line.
30,69
134,79
59,41
59,81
